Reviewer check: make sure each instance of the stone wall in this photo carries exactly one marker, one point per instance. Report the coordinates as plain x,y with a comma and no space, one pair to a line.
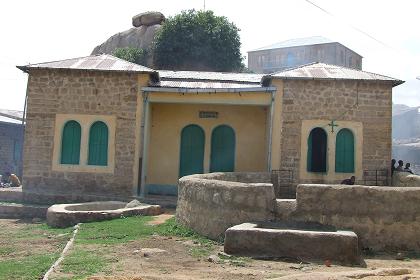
382,217
11,138
211,203
51,92
367,102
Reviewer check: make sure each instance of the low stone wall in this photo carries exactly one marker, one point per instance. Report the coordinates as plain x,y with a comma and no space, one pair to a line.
383,217
405,179
11,194
211,203
19,211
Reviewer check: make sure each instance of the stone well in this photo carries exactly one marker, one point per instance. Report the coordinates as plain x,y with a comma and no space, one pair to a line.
211,203
65,215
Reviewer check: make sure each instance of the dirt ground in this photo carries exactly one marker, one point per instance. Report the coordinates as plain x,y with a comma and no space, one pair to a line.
159,257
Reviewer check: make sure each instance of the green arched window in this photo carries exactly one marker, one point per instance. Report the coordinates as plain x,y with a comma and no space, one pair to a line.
70,143
192,150
344,151
222,157
98,144
317,150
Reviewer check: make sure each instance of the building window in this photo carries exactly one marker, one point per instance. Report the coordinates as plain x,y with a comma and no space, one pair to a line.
350,61
342,56
317,151
70,143
222,157
291,59
98,144
344,151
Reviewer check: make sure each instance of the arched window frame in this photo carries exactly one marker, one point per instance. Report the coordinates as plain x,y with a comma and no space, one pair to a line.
338,167
70,148
309,167
98,152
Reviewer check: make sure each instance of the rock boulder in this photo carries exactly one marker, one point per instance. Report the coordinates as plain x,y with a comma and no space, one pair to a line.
148,19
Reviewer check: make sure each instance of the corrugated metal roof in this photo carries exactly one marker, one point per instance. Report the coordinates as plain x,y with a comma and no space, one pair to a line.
314,40
325,71
102,62
210,76
11,116
204,84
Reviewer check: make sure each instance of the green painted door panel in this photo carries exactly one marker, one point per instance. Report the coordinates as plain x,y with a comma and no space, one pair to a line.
192,150
344,151
98,144
222,158
70,143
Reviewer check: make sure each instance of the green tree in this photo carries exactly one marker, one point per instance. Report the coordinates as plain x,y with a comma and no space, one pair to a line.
134,55
198,40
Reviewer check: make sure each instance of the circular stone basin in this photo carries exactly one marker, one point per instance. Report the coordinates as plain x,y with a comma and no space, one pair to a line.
65,215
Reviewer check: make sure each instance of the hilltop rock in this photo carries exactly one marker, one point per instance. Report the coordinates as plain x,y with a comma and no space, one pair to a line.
140,36
148,19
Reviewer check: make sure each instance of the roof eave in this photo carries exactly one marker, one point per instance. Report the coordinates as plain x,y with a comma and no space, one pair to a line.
394,82
26,69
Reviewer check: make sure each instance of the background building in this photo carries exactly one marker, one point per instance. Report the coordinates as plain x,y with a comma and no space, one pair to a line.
301,51
11,141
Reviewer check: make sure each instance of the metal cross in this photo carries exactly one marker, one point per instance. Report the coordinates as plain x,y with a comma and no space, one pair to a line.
332,124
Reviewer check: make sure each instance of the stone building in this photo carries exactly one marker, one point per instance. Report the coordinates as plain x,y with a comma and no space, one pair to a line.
11,141
102,127
301,51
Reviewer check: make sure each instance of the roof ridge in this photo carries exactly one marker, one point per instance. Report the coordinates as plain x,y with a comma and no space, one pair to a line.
126,61
294,68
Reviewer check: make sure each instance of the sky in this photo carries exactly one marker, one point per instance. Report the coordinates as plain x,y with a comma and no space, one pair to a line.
385,33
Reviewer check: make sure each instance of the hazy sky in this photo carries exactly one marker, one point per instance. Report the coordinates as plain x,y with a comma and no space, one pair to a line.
46,30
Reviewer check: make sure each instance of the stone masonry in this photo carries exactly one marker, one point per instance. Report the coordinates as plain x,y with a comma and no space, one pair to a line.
79,92
366,102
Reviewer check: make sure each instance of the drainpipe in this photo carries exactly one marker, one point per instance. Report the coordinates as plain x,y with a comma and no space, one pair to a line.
270,140
23,129
142,179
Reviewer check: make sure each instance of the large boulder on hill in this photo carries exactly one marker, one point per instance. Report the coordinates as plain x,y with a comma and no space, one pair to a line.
148,19
140,36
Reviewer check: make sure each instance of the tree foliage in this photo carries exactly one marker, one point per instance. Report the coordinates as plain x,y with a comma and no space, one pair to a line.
198,40
134,55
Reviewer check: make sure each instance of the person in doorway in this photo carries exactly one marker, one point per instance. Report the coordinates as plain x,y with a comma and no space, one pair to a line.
400,166
407,168
393,161
349,181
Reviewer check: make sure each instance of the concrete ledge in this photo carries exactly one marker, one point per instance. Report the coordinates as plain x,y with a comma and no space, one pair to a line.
271,240
16,211
285,208
65,215
384,218
211,203
11,194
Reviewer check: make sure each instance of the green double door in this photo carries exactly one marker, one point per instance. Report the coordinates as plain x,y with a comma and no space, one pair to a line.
192,150
222,154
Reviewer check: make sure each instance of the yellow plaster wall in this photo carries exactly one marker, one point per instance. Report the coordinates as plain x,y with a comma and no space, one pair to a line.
331,175
167,121
142,81
243,98
276,125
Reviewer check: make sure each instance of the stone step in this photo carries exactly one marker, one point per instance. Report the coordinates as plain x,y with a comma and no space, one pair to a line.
295,240
17,210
